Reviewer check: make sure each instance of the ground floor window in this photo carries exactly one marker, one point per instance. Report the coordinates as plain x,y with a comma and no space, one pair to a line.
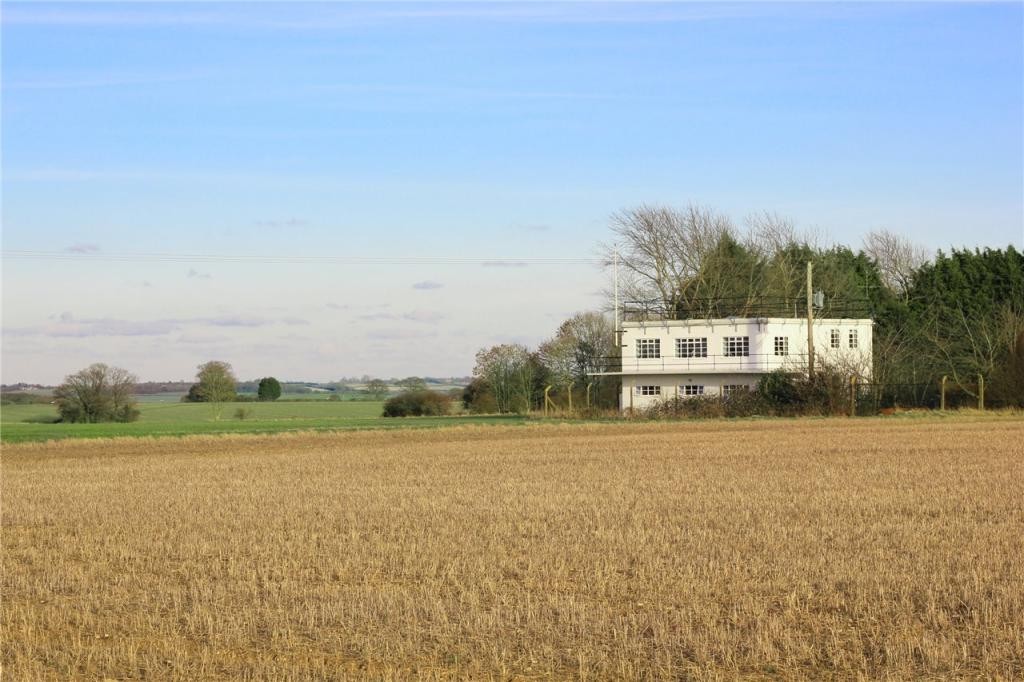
691,389
730,389
648,390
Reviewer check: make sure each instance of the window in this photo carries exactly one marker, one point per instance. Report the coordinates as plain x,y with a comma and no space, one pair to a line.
691,389
730,389
853,338
648,348
835,338
692,347
736,346
648,390
782,345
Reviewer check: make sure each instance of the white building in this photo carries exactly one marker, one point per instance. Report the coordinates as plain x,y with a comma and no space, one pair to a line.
665,359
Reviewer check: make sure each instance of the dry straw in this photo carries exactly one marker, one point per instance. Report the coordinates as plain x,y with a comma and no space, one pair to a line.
766,550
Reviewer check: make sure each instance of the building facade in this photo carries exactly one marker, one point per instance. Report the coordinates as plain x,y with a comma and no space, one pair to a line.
666,359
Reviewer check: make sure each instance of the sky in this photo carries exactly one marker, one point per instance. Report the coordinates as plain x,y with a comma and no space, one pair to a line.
464,158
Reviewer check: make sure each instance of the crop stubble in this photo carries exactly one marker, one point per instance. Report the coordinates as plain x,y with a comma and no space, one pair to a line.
777,549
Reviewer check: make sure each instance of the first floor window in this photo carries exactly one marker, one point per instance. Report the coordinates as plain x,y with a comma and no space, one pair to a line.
648,348
736,346
648,390
692,389
835,338
853,338
692,347
782,345
730,389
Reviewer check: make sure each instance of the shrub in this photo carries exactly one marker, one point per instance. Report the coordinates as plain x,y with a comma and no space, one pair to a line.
269,389
194,395
421,403
478,398
739,403
243,413
779,390
334,397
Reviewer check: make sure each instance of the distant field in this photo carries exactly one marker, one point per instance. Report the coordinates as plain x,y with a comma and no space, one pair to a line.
801,549
19,423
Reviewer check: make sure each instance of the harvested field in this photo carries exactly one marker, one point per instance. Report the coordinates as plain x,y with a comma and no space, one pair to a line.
711,550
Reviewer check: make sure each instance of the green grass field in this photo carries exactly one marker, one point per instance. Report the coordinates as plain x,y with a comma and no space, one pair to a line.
21,423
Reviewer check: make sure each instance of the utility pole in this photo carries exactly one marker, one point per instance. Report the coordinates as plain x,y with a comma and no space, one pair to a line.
810,323
618,338
615,277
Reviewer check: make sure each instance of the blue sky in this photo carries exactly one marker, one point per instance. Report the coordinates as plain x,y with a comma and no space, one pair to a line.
502,131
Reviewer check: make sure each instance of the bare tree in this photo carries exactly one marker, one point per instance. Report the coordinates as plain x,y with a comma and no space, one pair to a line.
897,258
583,344
661,250
98,393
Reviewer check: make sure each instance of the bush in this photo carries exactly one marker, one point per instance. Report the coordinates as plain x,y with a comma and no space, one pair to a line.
478,398
828,392
334,397
243,413
270,389
421,403
194,395
739,403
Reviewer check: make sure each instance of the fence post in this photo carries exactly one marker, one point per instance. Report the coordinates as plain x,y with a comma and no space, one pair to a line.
942,394
853,396
588,393
981,393
547,399
571,384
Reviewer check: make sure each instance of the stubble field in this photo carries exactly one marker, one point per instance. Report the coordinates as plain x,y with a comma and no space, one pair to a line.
821,549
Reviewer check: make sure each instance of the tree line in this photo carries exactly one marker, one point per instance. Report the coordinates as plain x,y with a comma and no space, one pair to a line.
958,314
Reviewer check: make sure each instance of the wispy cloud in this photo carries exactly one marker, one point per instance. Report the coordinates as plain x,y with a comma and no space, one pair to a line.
449,91
81,247
401,334
100,80
67,325
325,17
196,274
282,223
427,285
423,316
535,227
505,264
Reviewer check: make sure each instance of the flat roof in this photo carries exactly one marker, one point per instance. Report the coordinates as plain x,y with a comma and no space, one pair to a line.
746,320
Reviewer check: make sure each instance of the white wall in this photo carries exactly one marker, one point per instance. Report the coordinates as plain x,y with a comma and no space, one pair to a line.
762,335
716,370
672,386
